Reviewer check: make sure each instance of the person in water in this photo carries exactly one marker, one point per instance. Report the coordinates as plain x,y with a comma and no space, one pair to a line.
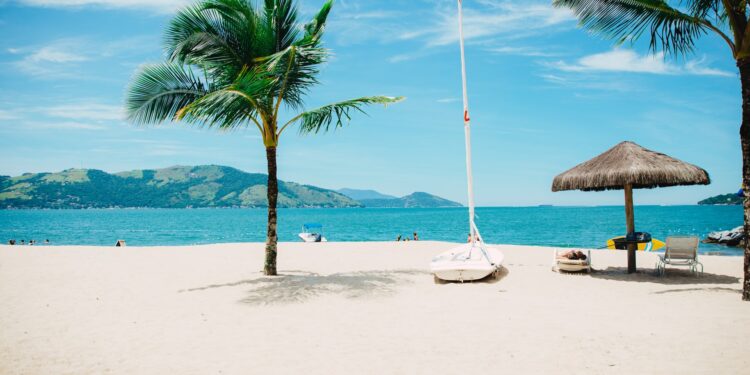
416,237
398,238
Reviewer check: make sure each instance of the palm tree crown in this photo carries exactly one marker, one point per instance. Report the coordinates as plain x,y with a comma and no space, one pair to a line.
230,65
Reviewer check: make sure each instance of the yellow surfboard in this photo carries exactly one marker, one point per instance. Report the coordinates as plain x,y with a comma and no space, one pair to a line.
645,246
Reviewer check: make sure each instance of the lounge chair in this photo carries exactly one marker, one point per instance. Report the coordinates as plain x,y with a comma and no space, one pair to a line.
680,251
571,265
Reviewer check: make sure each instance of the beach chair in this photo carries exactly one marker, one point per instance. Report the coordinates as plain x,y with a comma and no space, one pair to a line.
680,251
571,265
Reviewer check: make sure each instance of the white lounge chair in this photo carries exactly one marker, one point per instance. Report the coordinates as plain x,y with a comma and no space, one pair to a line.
680,251
571,265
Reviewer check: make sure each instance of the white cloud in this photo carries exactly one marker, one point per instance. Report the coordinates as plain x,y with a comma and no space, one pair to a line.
54,125
54,60
85,111
162,6
495,18
448,100
521,51
67,58
7,115
55,54
622,60
579,81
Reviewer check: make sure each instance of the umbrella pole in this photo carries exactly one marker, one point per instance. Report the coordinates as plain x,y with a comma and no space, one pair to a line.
630,226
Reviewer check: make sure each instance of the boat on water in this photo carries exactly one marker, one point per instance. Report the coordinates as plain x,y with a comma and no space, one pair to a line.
312,232
473,260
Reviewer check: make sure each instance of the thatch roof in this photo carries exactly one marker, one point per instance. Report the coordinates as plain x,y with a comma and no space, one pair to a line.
629,163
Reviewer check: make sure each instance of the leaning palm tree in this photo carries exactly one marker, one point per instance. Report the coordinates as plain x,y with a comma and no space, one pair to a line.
674,29
232,65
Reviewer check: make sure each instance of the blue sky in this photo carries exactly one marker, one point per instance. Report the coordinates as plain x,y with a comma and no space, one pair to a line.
544,96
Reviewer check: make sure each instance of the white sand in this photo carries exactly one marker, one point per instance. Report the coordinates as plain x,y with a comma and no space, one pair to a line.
359,308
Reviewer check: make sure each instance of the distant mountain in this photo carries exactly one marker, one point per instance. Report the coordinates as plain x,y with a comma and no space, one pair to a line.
723,199
358,194
180,186
414,200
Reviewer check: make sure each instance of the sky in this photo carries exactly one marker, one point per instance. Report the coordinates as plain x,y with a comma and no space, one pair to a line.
544,96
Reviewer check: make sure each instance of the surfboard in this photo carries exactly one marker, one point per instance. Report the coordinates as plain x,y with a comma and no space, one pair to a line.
646,246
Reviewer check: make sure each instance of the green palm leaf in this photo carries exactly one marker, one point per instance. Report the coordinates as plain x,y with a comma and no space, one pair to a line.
230,107
668,28
158,92
336,114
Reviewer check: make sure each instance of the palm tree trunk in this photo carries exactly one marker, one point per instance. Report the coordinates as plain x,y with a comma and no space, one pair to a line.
273,194
744,66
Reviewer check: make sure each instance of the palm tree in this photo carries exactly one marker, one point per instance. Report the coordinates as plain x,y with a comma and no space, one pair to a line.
674,29
231,65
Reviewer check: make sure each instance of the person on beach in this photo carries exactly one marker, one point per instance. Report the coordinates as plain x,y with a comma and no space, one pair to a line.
416,237
469,239
572,255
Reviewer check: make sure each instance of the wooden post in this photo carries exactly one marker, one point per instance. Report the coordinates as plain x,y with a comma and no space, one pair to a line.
630,226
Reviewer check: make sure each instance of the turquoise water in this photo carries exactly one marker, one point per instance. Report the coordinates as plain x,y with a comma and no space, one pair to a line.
548,226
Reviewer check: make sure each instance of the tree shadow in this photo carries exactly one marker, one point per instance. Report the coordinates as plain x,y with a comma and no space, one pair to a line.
299,286
673,276
710,289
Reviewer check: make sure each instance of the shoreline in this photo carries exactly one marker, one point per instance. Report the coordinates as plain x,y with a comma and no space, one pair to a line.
208,309
287,243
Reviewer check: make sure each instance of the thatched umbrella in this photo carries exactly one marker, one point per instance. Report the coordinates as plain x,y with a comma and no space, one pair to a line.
628,166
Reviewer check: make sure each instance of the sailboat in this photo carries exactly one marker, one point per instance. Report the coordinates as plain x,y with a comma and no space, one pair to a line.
473,260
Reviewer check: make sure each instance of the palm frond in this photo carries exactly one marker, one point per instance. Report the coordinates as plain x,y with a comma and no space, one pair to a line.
295,70
157,92
314,29
232,106
281,19
220,36
336,114
669,29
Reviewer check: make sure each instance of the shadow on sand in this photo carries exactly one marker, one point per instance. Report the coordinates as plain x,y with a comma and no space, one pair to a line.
299,286
491,279
672,277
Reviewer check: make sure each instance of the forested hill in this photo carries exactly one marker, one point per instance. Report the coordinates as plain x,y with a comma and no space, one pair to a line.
723,199
174,187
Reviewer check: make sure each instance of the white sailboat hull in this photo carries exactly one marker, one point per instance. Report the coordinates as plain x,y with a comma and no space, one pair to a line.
465,263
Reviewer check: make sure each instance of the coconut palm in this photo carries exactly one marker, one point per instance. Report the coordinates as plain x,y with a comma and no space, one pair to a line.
231,65
674,28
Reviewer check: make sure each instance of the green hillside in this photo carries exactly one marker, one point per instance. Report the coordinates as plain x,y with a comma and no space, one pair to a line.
414,200
724,199
175,187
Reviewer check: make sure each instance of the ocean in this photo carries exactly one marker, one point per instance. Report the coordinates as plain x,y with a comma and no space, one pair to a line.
587,227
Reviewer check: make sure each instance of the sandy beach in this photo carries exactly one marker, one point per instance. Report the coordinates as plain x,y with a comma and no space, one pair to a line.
353,307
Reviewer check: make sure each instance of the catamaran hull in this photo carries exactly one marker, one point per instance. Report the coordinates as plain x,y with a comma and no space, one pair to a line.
466,264
309,237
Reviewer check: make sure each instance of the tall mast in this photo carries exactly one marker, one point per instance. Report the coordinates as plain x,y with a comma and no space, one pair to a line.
467,128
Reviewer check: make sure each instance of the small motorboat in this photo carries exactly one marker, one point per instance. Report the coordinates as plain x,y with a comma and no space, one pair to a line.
467,262
312,232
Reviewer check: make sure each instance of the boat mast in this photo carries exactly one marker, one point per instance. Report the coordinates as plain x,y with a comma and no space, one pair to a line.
474,233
